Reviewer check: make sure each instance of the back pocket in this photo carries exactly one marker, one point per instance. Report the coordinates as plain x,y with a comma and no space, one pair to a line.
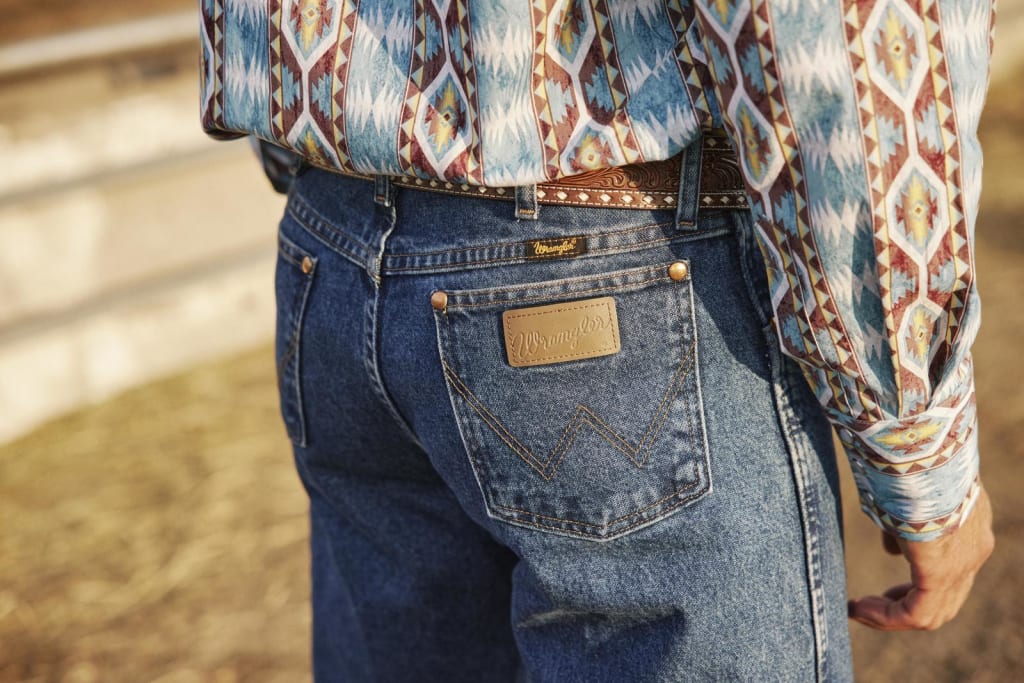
578,400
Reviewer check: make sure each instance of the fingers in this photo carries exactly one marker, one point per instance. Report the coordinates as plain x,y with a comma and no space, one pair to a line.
881,613
942,573
906,607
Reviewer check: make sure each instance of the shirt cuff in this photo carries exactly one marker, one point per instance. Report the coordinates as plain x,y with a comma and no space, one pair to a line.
917,476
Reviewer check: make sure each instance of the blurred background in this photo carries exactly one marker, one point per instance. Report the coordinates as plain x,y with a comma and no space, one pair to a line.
151,524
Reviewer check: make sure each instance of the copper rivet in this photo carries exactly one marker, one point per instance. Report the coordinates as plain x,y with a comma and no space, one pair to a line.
307,265
678,271
439,300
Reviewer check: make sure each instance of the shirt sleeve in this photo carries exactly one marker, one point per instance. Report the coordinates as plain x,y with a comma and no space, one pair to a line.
855,124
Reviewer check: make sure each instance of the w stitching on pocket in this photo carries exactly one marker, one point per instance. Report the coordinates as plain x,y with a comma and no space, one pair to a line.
682,501
564,522
583,415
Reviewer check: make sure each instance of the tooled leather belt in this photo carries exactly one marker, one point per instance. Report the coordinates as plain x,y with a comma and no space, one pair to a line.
633,186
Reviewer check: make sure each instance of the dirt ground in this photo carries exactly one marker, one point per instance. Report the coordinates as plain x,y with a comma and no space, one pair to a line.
161,536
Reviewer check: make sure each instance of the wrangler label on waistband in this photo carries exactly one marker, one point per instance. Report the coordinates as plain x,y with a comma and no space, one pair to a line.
557,247
540,335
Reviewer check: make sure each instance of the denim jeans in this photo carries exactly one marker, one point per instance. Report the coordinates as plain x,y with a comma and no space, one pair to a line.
663,507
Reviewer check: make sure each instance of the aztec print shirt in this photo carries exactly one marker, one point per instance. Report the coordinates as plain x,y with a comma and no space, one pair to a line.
855,124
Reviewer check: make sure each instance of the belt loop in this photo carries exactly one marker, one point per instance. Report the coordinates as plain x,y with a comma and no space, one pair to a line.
383,190
526,203
689,186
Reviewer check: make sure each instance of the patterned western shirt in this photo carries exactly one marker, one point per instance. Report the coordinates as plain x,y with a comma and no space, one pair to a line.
855,124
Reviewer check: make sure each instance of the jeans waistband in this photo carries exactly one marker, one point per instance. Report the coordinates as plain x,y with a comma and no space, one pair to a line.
395,230
631,186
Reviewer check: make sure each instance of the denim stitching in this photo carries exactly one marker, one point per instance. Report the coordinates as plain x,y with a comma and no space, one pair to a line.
509,289
547,469
808,496
574,292
526,257
591,524
288,257
290,250
624,446
747,239
683,237
290,353
691,357
698,383
316,230
687,357
624,231
600,251
791,426
293,341
700,485
316,216
619,532
285,249
519,449
567,307
487,416
565,432
285,252
685,364
612,522
579,424
552,464
575,432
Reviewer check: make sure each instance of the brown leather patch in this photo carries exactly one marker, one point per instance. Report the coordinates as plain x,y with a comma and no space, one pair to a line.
558,247
557,333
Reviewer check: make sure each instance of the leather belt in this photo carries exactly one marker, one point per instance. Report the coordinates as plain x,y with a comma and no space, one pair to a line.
648,185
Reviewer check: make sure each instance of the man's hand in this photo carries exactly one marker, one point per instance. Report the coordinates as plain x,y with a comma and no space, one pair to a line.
941,574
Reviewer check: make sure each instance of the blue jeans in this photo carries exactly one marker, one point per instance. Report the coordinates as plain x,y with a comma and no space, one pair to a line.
491,501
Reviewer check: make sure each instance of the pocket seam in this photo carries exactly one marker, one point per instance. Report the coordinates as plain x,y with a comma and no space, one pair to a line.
691,495
573,293
454,296
603,531
290,377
